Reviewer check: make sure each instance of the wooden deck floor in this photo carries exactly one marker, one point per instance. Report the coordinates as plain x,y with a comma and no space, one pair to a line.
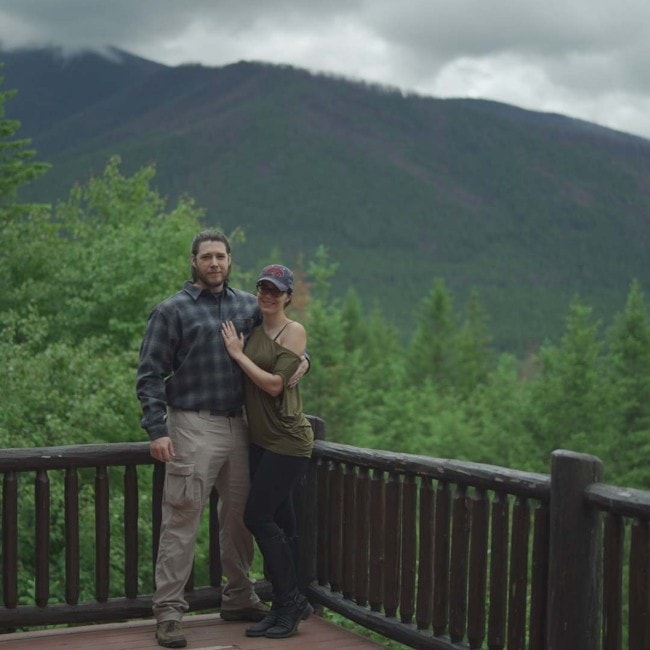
204,632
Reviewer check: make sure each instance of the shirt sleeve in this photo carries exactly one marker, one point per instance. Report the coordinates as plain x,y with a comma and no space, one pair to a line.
286,364
289,401
155,367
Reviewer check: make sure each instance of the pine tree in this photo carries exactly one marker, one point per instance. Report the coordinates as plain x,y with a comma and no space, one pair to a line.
19,222
17,168
432,351
571,398
474,357
353,322
630,374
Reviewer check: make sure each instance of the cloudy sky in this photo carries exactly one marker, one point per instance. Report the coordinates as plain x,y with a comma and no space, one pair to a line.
584,58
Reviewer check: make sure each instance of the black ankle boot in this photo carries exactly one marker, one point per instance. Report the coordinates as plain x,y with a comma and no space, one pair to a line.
292,606
289,615
260,628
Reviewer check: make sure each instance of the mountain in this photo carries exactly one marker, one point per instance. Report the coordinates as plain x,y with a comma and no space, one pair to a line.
528,209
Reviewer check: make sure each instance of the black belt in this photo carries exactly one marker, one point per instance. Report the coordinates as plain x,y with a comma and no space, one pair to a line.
232,413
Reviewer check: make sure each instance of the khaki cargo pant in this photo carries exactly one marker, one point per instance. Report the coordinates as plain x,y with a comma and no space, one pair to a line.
209,451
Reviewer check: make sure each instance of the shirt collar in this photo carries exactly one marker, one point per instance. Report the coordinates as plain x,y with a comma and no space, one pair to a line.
195,291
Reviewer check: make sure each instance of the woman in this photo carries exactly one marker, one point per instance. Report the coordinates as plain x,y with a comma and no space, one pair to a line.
281,443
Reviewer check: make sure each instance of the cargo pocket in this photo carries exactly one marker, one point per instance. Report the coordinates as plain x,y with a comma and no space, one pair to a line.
181,490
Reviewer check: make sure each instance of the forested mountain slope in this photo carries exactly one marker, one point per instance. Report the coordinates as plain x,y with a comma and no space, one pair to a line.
527,209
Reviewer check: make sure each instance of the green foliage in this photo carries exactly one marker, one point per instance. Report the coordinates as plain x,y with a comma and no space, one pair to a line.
329,375
630,349
17,168
473,341
58,393
445,394
629,374
571,401
500,410
456,359
107,256
431,352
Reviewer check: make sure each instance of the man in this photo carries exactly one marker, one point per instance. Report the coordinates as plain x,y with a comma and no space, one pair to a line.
191,393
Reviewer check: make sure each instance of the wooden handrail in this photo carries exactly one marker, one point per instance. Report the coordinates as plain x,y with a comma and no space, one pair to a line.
478,475
114,454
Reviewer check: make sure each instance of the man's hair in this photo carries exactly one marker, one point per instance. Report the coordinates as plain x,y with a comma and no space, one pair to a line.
207,235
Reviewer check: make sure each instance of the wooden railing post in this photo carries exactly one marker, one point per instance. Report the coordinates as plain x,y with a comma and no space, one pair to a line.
574,564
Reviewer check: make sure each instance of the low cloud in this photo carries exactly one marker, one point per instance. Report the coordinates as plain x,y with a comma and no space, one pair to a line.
587,59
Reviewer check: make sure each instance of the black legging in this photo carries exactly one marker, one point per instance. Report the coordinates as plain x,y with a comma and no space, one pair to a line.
269,509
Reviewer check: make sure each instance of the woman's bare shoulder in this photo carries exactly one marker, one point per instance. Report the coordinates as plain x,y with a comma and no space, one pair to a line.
294,338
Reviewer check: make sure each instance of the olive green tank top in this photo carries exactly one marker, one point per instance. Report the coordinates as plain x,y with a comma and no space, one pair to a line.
276,423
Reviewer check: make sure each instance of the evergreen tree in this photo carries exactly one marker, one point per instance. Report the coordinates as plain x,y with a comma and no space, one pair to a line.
328,388
17,168
629,340
499,410
571,400
421,421
21,224
353,322
379,383
474,357
431,352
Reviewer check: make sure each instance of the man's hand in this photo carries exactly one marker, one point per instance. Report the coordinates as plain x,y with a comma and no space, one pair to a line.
302,369
162,449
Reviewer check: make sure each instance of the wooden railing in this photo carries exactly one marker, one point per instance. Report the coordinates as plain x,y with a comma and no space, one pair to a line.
433,553
429,552
626,552
45,608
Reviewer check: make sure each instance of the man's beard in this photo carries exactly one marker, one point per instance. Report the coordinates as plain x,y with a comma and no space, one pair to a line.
210,281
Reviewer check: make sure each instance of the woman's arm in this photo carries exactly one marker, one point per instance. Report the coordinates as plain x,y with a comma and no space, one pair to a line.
266,381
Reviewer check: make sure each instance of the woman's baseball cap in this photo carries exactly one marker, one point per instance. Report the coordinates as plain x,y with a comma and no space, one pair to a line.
279,275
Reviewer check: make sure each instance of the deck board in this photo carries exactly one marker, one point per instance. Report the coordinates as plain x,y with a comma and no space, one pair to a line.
203,632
